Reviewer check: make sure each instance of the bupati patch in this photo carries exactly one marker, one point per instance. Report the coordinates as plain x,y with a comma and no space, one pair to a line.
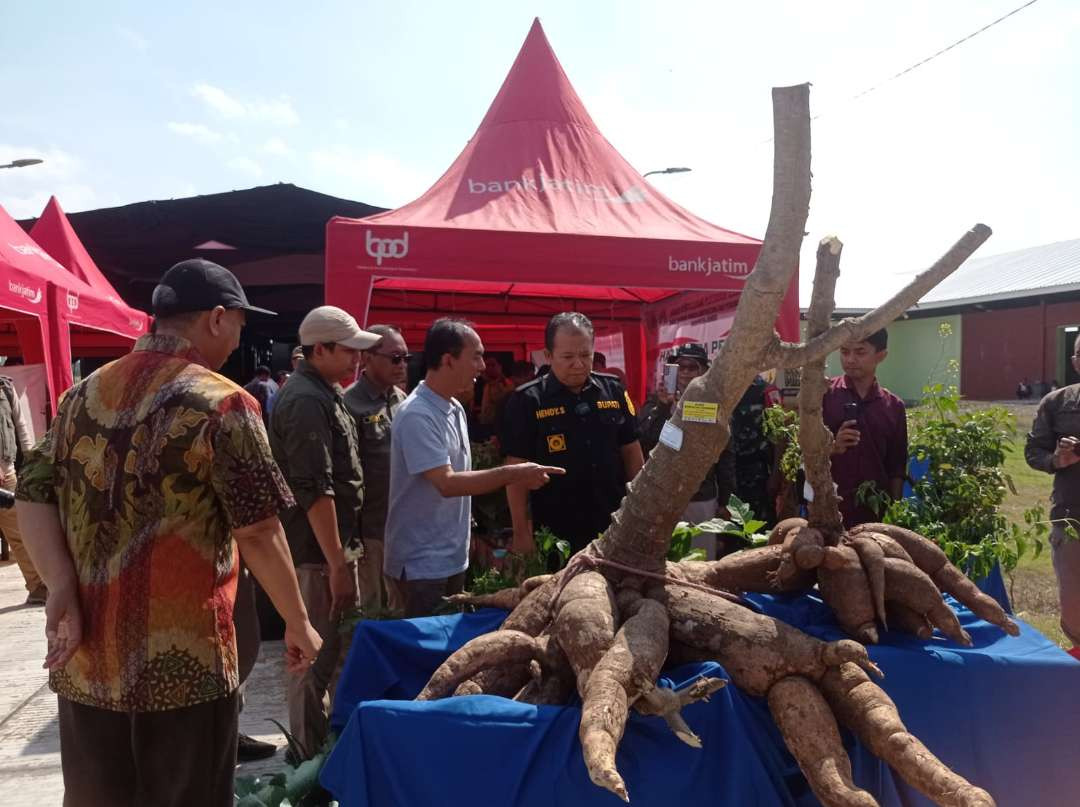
550,412
556,443
607,404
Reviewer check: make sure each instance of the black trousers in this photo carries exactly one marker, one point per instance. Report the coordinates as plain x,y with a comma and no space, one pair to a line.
176,758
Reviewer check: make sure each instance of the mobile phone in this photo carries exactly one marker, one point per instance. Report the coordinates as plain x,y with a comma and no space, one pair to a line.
671,378
851,411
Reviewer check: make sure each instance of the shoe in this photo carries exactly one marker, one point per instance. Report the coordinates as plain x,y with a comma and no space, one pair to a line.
249,749
37,596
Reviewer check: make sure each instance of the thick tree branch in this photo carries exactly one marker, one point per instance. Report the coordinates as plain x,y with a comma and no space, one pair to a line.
640,530
858,328
814,438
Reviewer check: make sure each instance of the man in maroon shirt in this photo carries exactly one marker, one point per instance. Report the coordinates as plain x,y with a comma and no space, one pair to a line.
870,425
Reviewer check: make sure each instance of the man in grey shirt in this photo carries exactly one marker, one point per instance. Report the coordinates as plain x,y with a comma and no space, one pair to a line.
431,481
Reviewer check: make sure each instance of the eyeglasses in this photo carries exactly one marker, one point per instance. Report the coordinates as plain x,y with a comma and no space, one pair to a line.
395,358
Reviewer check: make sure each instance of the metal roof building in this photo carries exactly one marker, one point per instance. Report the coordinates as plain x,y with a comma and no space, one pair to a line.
1012,276
1013,317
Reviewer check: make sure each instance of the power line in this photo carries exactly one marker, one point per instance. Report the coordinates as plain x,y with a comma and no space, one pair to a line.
946,49
929,58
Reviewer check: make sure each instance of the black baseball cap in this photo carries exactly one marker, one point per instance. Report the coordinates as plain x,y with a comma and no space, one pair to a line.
200,285
691,351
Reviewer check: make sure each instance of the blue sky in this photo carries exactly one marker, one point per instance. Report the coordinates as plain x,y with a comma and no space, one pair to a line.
371,101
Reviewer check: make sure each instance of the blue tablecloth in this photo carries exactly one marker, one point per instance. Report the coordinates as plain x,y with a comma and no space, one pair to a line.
1004,713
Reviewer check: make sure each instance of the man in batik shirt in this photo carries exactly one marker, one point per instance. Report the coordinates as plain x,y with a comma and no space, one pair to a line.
130,506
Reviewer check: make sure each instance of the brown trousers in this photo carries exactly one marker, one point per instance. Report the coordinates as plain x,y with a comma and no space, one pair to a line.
10,527
176,758
373,589
1066,557
309,704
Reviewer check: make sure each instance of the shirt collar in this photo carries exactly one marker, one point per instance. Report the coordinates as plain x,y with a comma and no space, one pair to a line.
554,385
171,346
871,394
365,385
306,369
435,399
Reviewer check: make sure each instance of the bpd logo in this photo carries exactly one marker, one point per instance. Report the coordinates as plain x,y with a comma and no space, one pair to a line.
73,300
379,248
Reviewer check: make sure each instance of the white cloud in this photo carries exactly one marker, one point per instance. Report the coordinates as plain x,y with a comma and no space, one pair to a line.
196,131
368,176
277,147
278,111
134,38
246,165
219,101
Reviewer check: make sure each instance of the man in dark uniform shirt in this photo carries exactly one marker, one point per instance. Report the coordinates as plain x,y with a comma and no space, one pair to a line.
578,420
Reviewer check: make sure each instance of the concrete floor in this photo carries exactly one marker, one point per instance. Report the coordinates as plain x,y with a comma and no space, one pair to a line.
29,733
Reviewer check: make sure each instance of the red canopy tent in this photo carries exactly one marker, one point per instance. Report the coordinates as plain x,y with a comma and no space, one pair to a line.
539,214
110,336
39,288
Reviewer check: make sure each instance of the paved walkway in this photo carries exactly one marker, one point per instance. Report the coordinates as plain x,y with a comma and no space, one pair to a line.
29,733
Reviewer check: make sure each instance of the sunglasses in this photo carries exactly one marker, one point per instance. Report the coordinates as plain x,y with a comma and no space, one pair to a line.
395,358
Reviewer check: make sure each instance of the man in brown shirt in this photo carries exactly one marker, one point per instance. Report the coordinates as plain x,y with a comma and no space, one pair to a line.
315,442
372,401
1053,446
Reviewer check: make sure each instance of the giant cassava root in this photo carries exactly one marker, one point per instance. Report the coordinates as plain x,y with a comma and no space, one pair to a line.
872,571
618,617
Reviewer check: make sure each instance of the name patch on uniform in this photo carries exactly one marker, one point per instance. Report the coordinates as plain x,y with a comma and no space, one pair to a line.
550,412
378,417
556,442
607,404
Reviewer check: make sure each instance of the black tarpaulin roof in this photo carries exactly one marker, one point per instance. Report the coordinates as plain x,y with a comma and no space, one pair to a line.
271,236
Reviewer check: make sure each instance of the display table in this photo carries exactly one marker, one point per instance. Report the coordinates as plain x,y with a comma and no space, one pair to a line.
1004,713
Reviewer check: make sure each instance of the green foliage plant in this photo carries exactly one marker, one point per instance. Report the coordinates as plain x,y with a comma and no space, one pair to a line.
297,785
957,503
516,567
781,427
740,524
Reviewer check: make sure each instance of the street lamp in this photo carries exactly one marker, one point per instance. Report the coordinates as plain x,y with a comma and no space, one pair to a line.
23,163
667,171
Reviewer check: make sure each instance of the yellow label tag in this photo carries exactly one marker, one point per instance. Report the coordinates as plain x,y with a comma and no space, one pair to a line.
629,403
556,443
700,412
